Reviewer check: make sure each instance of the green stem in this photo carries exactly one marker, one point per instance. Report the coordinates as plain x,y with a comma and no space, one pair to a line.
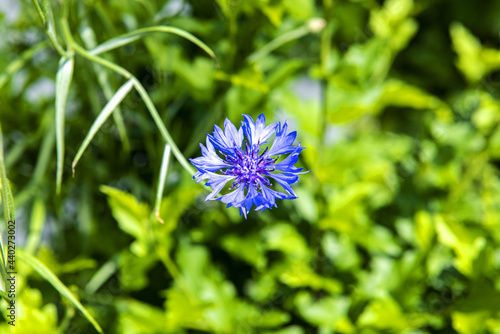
39,12
163,130
50,28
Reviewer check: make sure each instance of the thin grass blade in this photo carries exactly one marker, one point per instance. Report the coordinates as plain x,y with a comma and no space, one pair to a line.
38,215
88,37
63,82
101,276
114,43
7,199
163,179
46,273
103,116
7,205
136,34
276,43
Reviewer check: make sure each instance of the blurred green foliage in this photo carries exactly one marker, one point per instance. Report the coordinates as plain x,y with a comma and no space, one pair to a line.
397,228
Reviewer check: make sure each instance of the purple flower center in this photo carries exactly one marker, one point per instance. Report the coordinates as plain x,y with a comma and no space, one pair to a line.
248,166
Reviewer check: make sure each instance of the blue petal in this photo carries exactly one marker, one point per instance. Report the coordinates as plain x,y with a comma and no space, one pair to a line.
256,132
287,164
234,198
283,142
233,135
210,161
228,141
269,197
218,138
252,197
285,179
216,182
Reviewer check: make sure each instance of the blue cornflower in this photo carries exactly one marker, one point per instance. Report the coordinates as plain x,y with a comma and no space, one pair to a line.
248,165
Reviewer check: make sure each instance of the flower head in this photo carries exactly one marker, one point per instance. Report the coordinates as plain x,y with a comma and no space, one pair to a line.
249,163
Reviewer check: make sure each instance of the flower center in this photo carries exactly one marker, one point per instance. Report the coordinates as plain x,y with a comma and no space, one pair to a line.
248,166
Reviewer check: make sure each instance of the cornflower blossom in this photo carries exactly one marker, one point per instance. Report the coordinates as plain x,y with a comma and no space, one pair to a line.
247,161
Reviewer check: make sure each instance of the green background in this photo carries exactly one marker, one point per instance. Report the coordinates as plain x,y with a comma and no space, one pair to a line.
397,226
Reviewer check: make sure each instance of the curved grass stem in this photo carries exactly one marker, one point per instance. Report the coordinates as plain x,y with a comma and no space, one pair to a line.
277,42
140,89
136,34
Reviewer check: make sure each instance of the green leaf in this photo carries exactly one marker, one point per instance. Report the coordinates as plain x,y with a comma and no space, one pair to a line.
340,250
285,238
424,230
386,21
209,302
132,216
46,273
302,9
251,78
474,60
138,317
229,8
196,75
346,104
63,82
36,317
327,313
103,116
384,314
299,274
249,248
307,206
133,269
471,322
466,244
477,309
182,311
